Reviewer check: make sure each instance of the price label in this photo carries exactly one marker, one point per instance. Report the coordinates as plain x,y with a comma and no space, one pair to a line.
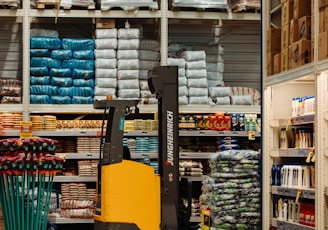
206,220
251,135
25,129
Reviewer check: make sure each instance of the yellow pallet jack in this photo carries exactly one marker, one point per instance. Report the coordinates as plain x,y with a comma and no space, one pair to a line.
130,196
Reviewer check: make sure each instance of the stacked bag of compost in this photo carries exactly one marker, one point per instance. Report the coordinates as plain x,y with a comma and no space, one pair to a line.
128,63
105,63
182,79
232,190
196,74
61,70
215,69
149,57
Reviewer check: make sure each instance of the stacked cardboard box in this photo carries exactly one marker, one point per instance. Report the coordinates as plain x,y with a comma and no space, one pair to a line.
323,29
295,37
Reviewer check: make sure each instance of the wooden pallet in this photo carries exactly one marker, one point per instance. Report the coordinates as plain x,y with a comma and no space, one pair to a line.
9,6
47,5
130,7
56,5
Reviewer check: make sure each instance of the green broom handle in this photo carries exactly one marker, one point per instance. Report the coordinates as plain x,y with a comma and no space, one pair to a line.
4,202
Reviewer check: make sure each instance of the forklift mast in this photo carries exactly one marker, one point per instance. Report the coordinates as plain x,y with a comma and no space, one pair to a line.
164,82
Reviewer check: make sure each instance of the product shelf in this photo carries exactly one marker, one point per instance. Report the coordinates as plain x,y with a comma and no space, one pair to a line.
11,12
62,220
195,219
290,152
75,179
290,75
284,191
50,13
82,109
213,133
11,107
289,225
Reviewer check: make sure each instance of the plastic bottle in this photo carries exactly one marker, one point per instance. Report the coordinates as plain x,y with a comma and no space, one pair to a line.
278,175
273,175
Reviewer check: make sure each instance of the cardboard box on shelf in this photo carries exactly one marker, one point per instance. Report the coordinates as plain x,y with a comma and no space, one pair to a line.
300,53
284,36
105,23
322,45
325,19
322,3
286,12
321,20
304,27
301,8
270,64
276,63
293,31
273,40
284,60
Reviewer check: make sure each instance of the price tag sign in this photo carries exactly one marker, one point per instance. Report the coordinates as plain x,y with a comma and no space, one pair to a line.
251,135
25,129
206,220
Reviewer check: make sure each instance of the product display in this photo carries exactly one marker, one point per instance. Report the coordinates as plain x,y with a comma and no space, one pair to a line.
27,171
231,192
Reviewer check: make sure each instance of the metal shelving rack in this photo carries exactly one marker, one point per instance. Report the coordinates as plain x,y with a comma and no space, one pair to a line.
26,15
277,92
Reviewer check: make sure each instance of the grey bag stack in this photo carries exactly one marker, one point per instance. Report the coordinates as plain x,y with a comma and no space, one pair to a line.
232,190
182,79
149,57
105,63
196,74
128,63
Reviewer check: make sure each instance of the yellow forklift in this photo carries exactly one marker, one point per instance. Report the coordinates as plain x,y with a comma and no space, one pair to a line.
130,196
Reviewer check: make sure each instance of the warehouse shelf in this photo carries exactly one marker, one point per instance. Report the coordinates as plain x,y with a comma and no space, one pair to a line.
62,220
49,13
212,133
247,16
75,179
283,191
194,178
218,108
11,108
79,156
290,152
11,12
290,75
81,109
195,219
289,225
196,155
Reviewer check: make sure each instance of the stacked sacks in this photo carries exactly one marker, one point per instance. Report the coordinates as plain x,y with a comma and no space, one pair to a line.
215,69
197,76
214,64
232,190
182,79
105,63
128,63
149,57
40,64
61,71
82,66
